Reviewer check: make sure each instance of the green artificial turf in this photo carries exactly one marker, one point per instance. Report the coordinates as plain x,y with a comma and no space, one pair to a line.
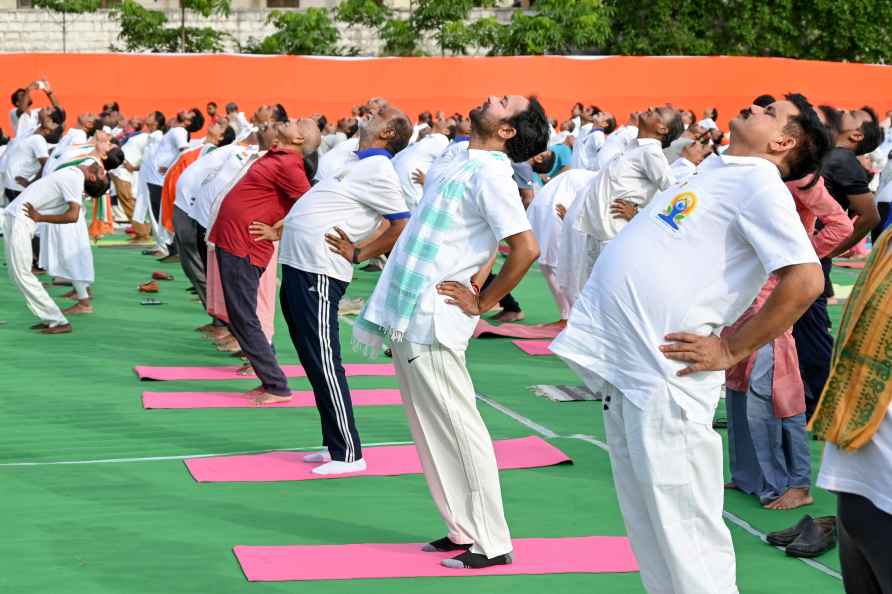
116,525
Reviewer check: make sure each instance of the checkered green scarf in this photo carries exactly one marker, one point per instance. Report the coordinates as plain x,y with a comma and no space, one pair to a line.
412,267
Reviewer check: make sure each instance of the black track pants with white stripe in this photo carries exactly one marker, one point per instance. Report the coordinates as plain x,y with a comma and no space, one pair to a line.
310,307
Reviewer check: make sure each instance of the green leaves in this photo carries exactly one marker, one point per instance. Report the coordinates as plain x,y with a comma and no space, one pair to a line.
144,30
303,33
70,6
367,13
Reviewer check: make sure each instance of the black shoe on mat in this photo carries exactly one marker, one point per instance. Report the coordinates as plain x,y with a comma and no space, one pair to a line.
444,545
469,560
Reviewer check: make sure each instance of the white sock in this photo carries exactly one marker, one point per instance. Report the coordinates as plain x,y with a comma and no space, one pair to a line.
337,467
322,456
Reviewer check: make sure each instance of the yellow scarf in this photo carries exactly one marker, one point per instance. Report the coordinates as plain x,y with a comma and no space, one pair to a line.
859,390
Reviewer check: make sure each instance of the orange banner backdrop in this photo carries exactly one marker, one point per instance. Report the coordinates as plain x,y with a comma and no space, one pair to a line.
140,83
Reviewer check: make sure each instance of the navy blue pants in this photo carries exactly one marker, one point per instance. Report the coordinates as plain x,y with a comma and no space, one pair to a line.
310,307
240,280
814,345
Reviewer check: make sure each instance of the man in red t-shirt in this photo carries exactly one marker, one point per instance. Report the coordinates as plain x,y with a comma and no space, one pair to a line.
264,194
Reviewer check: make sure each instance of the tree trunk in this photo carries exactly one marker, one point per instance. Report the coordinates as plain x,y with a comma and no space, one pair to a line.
182,27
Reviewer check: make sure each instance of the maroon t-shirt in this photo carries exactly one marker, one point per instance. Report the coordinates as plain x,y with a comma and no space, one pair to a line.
265,194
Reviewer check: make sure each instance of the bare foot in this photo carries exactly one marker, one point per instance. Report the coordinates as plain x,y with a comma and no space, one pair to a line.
255,392
509,316
245,369
792,499
80,307
228,345
267,398
732,486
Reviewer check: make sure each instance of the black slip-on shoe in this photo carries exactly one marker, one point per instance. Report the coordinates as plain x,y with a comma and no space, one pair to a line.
469,560
816,539
444,545
782,538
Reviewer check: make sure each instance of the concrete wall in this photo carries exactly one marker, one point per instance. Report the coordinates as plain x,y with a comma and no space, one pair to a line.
29,30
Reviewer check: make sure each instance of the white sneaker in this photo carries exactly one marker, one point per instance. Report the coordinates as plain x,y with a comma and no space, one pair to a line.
336,467
317,457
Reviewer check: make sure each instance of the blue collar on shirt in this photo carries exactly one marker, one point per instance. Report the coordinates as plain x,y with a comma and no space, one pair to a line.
461,138
374,151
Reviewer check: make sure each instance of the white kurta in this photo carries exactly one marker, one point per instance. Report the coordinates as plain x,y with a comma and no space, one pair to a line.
65,251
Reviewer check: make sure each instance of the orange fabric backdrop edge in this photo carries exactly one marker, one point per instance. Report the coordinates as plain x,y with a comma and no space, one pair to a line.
305,85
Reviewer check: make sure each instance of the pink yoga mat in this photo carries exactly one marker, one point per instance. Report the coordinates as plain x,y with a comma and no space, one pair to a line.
534,347
525,452
146,372
856,264
382,397
486,330
532,556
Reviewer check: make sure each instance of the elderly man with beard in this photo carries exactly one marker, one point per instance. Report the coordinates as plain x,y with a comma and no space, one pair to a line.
427,305
645,334
319,246
264,194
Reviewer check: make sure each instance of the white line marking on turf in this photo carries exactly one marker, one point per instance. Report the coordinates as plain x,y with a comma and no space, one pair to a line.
540,429
740,523
163,458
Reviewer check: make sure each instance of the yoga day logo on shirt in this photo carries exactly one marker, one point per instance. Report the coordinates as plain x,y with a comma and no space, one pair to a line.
679,209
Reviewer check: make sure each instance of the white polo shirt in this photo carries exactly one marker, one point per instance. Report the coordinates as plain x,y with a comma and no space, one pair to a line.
134,151
227,161
355,201
420,155
544,220
23,160
620,141
57,159
334,161
681,169
490,211
190,180
49,195
634,176
172,143
692,261
26,124
586,149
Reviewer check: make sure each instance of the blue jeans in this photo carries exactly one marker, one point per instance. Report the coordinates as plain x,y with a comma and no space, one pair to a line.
768,455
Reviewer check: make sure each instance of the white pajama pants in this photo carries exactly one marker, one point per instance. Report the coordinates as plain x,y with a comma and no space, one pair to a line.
668,475
19,259
560,298
453,444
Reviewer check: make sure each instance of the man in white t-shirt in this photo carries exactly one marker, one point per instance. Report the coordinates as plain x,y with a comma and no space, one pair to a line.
124,177
645,334
174,142
79,133
317,252
593,134
426,304
419,157
25,160
334,161
633,177
547,226
55,199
